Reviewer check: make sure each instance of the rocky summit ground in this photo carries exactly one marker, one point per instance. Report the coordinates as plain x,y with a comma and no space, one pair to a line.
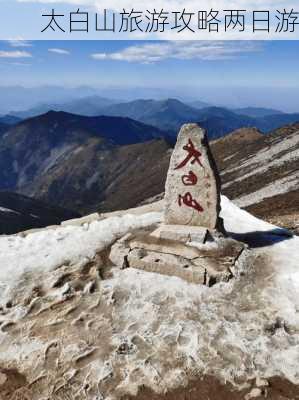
74,326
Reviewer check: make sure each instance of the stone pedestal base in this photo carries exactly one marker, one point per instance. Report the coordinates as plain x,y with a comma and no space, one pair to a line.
181,233
187,257
167,264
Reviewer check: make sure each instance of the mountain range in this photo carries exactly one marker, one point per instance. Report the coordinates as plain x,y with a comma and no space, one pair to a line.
83,163
90,106
9,119
256,112
105,163
170,114
23,98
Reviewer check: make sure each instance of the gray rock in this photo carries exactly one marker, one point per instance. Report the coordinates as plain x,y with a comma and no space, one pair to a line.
119,251
3,378
256,392
151,243
181,233
166,264
260,382
192,195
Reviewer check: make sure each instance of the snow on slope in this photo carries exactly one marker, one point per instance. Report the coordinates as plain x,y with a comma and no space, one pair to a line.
282,253
274,155
47,250
239,221
148,329
280,186
4,209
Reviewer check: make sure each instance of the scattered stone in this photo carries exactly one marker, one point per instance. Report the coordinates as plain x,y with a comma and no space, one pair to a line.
90,287
119,252
192,195
126,348
260,382
256,392
3,378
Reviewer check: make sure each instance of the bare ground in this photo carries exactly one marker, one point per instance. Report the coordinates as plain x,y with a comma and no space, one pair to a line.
209,388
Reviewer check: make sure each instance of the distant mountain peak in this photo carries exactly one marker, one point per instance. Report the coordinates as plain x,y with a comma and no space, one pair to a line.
172,100
257,112
242,135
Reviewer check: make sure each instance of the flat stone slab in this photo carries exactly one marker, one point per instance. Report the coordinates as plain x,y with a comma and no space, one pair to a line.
181,233
223,249
166,246
192,191
202,272
166,264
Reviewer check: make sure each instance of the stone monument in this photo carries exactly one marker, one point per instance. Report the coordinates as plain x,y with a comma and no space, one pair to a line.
191,218
192,192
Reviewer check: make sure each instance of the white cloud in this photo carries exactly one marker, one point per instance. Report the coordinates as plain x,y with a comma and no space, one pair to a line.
14,54
181,50
19,43
59,51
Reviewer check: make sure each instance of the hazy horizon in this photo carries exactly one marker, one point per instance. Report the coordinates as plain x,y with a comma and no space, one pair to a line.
230,74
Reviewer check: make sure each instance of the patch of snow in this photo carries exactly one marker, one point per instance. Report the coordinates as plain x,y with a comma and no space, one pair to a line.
21,352
230,157
55,155
277,187
78,149
49,249
237,220
270,157
93,179
283,256
8,210
34,216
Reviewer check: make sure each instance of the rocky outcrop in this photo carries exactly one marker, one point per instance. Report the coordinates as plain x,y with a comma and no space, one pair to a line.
81,163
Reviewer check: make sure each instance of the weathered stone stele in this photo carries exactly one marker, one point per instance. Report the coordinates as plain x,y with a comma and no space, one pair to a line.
192,192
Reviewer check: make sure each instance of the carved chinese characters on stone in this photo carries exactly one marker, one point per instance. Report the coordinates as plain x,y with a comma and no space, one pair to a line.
193,187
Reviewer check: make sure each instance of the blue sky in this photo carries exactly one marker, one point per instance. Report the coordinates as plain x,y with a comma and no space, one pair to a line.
251,73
